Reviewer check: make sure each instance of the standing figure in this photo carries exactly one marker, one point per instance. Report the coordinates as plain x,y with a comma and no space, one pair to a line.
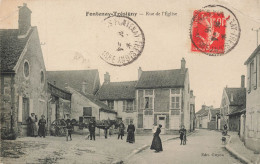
131,133
111,130
41,124
157,143
224,132
121,130
69,129
106,127
32,125
92,129
182,132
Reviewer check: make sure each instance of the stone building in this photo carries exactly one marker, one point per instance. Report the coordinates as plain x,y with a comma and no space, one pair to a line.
213,116
23,83
163,97
192,111
75,79
119,96
59,104
252,134
202,118
85,104
82,85
233,101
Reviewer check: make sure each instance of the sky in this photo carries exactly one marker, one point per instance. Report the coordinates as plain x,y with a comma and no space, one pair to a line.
73,41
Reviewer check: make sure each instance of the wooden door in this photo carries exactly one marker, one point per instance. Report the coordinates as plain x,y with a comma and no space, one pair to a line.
162,121
25,110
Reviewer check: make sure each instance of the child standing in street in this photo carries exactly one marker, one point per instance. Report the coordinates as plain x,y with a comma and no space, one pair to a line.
69,130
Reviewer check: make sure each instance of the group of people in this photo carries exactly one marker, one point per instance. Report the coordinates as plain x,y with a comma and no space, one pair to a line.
32,128
156,142
121,130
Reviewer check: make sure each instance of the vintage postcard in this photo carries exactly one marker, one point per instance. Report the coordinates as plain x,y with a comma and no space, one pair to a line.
130,81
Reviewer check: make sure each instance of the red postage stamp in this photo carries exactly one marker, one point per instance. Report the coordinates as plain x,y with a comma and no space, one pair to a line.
214,30
209,32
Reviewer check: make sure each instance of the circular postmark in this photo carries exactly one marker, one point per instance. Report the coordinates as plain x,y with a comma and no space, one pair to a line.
214,31
123,41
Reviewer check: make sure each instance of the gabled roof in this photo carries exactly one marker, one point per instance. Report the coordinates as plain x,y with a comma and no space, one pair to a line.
235,110
117,91
200,111
11,48
75,78
256,51
95,100
205,113
239,96
214,112
162,79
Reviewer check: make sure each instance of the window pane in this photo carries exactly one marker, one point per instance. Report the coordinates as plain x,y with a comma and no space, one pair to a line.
146,102
177,105
150,102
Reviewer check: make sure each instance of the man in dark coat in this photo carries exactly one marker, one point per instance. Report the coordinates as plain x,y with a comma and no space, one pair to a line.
42,124
92,128
106,127
131,133
121,129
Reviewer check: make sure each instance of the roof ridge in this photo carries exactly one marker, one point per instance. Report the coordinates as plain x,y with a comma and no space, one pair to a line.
162,70
71,70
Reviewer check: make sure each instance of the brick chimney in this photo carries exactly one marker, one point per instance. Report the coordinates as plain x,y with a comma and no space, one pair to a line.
24,21
183,67
106,78
83,87
243,81
139,72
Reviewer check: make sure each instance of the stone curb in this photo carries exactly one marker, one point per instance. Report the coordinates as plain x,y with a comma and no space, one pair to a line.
140,149
236,154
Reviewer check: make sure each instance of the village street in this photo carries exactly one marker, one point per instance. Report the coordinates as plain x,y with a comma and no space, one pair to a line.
202,147
79,150
56,150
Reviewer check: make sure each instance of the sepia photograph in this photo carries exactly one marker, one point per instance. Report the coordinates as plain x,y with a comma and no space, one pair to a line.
129,82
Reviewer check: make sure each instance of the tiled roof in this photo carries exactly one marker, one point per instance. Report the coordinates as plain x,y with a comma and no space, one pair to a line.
214,112
95,100
75,78
205,113
117,91
256,51
161,79
235,110
11,48
200,112
239,96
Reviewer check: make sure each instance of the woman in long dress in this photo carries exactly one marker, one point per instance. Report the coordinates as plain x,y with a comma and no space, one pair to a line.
131,133
157,143
32,125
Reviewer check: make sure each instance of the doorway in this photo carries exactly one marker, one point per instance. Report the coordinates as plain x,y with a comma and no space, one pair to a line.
161,119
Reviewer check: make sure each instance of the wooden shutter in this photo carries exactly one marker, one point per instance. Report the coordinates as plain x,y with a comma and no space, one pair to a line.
20,109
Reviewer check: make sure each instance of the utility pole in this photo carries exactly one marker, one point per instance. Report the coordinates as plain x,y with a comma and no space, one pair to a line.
256,35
